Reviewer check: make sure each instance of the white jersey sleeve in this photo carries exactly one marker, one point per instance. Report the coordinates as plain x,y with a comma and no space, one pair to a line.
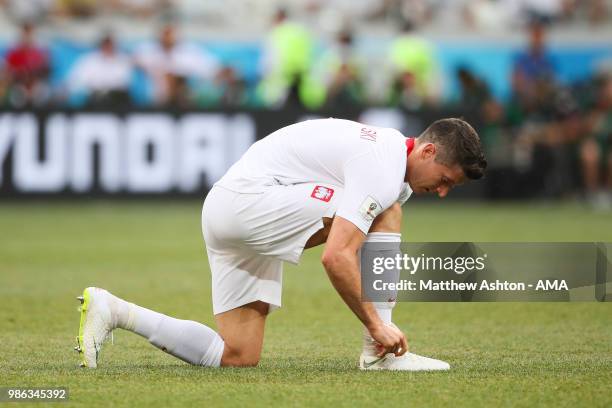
405,194
373,183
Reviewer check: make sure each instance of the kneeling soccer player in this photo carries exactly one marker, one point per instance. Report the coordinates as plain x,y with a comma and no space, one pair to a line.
328,181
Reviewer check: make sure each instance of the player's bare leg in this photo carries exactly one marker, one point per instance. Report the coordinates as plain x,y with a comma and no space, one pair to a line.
242,330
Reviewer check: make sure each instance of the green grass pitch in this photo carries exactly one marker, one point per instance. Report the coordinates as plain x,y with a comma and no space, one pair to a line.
502,354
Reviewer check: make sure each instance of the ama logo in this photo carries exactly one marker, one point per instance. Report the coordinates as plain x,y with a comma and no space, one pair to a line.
322,193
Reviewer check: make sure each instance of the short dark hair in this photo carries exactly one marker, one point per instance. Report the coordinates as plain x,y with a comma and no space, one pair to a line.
458,144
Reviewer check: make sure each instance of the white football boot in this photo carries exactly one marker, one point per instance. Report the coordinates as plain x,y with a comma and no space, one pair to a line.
95,325
407,362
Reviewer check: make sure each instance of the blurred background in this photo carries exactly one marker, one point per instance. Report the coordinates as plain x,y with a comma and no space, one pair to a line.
160,97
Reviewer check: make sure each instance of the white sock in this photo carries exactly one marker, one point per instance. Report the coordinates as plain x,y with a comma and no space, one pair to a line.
190,341
384,309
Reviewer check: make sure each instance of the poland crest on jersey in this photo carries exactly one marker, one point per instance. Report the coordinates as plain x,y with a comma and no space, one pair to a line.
322,193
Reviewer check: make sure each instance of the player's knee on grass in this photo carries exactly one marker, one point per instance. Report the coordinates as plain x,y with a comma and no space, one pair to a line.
240,357
242,330
389,220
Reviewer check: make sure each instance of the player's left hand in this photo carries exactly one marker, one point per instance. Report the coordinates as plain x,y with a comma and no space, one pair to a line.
390,339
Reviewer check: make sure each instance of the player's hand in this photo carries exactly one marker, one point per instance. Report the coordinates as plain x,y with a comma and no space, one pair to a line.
390,339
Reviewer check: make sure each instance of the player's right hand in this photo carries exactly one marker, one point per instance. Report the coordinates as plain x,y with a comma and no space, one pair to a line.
390,339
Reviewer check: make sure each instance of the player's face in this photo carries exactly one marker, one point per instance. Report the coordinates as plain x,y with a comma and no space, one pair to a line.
429,176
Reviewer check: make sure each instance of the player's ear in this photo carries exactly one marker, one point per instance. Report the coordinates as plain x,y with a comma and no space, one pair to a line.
428,151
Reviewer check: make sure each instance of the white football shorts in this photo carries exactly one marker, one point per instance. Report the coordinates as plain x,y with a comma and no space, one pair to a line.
249,235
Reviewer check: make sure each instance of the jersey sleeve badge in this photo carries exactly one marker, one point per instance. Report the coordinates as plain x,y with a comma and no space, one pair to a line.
370,209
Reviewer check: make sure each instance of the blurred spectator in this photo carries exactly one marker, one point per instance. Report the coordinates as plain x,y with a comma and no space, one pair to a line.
547,120
143,9
487,14
77,8
415,12
4,86
339,70
27,69
597,11
561,138
178,93
596,149
545,151
474,91
476,99
30,10
504,179
171,65
545,11
103,75
414,71
533,76
233,88
285,65
229,90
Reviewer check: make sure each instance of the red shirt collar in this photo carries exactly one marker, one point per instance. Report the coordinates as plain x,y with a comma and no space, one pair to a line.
409,145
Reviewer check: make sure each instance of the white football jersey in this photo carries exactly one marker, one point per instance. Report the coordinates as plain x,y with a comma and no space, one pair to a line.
367,162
